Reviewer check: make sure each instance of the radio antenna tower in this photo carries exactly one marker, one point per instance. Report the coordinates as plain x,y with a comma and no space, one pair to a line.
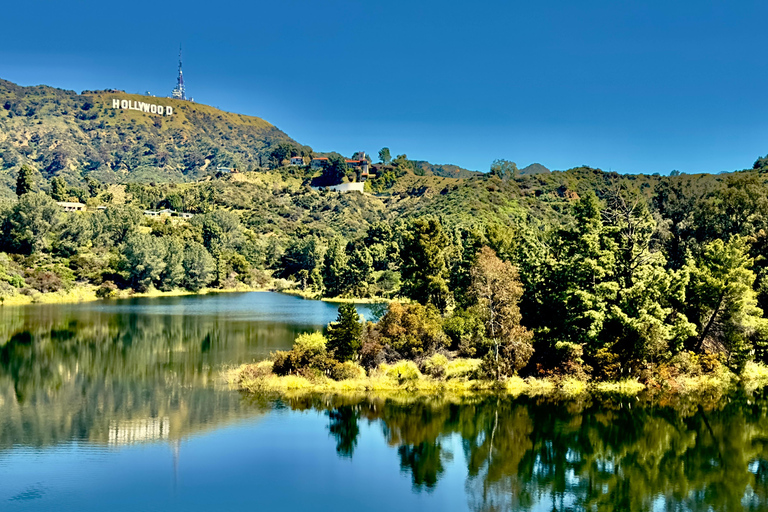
179,92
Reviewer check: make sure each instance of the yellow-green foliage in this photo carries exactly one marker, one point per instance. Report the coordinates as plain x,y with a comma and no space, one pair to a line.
573,387
463,369
402,371
627,387
435,365
754,376
313,342
352,370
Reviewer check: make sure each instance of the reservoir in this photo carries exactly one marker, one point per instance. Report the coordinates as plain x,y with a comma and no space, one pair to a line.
121,406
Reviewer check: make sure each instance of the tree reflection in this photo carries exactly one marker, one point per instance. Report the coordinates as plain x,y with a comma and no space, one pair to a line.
344,428
591,455
81,374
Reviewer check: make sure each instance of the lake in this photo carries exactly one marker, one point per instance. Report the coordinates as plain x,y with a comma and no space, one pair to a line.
120,406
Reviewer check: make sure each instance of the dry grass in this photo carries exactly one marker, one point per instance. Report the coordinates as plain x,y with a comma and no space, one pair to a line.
404,379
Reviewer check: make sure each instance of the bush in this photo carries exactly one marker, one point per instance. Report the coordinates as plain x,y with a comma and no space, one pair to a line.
107,290
312,343
44,281
463,369
412,329
346,370
403,371
435,366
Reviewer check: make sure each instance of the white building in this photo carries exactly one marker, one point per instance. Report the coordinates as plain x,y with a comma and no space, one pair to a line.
71,207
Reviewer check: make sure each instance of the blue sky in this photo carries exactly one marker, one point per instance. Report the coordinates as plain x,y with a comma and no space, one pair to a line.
622,85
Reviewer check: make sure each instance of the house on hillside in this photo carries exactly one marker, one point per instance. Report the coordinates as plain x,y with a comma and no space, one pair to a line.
71,207
356,186
297,160
360,163
167,212
319,162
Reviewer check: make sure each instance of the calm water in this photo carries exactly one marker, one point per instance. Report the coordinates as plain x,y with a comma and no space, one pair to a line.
119,406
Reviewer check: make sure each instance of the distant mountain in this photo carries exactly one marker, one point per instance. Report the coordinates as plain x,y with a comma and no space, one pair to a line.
533,169
76,135
444,171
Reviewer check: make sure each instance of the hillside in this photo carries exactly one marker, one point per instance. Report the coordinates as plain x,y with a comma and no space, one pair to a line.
76,135
533,169
444,170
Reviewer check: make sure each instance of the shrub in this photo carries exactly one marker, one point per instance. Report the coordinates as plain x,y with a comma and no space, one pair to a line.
463,369
107,290
346,370
435,366
44,281
403,371
372,354
312,343
412,329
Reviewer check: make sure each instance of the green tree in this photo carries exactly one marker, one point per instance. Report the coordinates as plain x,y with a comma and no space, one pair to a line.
27,180
385,156
143,260
503,169
31,224
199,266
172,275
59,189
723,303
424,269
345,334
119,223
336,275
335,170
303,260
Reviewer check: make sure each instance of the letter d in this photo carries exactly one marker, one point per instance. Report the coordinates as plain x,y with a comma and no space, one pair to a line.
168,111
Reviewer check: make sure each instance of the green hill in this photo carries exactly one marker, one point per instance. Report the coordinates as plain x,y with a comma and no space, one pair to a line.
533,169
77,135
444,170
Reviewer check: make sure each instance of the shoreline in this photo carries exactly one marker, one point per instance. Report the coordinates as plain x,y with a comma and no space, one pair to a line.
87,293
258,379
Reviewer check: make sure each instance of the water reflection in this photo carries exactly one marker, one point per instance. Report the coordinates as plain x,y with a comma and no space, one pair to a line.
122,371
120,374
591,455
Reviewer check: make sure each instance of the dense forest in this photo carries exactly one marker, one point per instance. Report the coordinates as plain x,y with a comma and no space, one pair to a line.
580,272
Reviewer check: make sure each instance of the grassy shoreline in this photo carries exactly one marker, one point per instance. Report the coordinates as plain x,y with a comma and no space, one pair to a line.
87,293
257,378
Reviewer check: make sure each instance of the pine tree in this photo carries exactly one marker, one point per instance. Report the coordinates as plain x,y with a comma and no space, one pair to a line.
345,334
26,181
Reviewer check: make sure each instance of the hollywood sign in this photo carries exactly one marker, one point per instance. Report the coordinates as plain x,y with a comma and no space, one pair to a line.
142,107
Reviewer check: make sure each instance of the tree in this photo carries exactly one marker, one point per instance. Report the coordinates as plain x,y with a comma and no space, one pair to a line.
424,269
172,275
26,181
119,223
496,288
336,275
345,334
503,169
198,266
335,170
412,330
385,156
143,260
303,259
59,189
30,224
723,303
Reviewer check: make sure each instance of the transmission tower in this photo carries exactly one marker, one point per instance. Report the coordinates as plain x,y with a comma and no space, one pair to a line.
179,92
